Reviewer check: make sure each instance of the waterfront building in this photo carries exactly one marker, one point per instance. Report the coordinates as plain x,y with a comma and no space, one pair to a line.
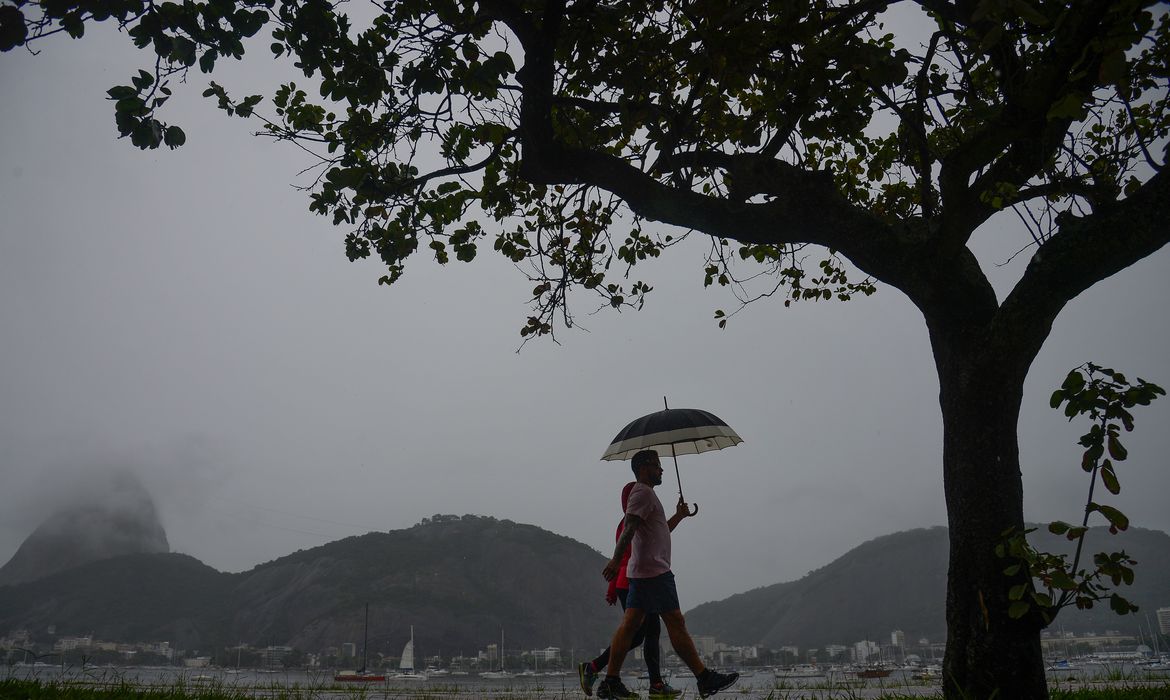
1164,620
862,651
705,645
546,654
71,643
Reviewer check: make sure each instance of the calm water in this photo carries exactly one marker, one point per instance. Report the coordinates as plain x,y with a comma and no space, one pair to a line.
320,685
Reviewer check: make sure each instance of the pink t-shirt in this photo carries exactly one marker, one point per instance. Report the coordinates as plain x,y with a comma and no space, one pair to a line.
650,549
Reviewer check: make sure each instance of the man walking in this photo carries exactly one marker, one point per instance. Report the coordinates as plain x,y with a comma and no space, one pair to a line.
652,589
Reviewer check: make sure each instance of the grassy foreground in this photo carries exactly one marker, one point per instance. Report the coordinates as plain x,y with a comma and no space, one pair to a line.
13,689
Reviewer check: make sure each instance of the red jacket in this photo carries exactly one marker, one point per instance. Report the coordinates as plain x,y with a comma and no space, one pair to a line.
621,581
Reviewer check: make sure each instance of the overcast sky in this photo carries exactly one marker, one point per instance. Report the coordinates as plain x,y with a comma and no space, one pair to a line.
183,314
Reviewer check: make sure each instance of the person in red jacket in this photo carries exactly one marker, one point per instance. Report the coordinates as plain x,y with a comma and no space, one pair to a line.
647,635
652,587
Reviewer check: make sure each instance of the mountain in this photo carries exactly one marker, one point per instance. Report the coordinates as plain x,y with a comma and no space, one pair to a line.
458,580
117,518
899,582
136,597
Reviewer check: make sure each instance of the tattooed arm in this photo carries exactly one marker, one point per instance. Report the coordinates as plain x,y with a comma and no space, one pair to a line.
611,568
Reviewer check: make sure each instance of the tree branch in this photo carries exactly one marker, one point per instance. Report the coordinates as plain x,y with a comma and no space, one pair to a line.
1022,138
1085,251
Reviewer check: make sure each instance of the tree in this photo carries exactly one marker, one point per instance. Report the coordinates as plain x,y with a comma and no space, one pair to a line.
558,130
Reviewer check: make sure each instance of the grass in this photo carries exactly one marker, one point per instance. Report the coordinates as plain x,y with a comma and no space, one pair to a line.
14,689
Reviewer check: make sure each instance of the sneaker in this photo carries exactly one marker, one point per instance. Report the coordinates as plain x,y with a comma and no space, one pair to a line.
711,682
613,688
587,676
662,689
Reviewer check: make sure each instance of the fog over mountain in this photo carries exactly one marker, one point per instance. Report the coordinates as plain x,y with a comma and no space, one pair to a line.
116,516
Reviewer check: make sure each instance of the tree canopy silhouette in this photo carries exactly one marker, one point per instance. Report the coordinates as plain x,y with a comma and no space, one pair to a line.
820,152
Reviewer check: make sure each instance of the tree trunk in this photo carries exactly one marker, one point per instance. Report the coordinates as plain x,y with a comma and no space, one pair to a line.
989,655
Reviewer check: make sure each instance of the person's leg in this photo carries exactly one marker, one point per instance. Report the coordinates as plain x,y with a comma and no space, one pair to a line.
641,635
601,661
709,682
588,671
680,639
650,632
622,639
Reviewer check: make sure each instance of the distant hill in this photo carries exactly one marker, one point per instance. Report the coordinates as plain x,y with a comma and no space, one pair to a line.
899,582
118,518
136,597
458,580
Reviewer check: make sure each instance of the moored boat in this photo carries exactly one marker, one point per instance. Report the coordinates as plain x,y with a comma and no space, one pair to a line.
800,671
359,677
500,673
406,670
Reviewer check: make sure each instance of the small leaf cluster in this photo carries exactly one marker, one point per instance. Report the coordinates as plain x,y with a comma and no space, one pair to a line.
134,106
180,35
1062,582
1106,397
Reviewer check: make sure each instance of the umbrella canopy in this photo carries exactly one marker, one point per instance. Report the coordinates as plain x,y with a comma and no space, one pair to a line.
672,431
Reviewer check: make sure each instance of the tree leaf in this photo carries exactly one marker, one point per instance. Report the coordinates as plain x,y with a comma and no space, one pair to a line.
1116,449
174,137
1116,518
1071,106
1109,478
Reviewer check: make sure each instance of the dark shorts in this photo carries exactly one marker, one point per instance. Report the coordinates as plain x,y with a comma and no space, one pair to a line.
653,595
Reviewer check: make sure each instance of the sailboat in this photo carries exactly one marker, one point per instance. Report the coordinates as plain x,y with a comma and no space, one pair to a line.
406,670
361,675
239,652
501,672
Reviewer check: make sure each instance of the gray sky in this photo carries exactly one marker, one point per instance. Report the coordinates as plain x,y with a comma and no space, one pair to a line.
183,314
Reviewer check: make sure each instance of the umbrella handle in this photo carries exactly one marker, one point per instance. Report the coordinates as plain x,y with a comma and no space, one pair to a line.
676,475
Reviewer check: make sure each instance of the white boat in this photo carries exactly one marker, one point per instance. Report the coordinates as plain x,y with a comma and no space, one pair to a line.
501,672
406,670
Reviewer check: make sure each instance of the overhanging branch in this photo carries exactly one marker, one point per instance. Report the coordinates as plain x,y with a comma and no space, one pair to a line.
1085,251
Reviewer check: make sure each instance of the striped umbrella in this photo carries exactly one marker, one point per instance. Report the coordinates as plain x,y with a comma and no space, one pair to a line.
674,432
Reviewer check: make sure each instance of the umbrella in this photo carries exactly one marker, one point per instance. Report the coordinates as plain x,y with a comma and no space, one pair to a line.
673,431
